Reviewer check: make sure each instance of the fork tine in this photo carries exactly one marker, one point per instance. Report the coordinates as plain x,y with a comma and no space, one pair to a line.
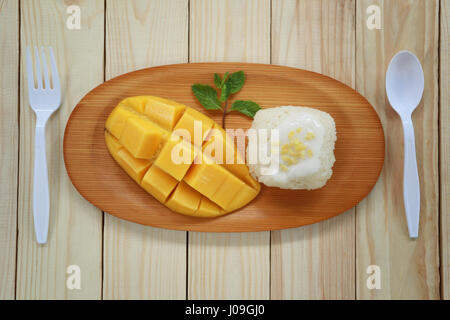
55,75
45,69
30,75
38,68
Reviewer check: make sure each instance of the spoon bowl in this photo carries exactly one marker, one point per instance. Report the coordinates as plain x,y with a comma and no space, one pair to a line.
404,82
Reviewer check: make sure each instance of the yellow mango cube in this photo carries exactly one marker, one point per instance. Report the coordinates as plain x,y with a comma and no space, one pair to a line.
176,157
184,199
141,138
225,145
227,191
206,177
158,183
117,119
135,168
227,153
241,198
164,112
112,143
195,125
249,180
208,209
137,103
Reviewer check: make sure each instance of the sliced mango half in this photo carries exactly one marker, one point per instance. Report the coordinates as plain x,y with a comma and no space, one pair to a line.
180,156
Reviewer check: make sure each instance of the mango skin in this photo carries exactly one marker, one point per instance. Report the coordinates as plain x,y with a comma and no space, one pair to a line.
140,134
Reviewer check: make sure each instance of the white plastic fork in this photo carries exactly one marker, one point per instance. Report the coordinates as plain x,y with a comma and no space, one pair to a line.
44,100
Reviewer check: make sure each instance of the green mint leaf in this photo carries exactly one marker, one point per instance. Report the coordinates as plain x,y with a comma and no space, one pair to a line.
207,96
225,77
217,81
249,108
235,81
226,91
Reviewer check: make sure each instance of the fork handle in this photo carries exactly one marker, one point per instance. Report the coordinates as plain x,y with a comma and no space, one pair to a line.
41,199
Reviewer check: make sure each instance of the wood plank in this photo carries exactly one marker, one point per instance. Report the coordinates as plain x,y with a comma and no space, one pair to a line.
75,232
317,261
142,262
234,265
9,132
444,165
409,268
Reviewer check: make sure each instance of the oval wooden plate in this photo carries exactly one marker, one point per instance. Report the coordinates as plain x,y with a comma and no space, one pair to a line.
359,147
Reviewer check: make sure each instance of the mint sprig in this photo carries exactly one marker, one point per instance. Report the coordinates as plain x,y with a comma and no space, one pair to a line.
228,85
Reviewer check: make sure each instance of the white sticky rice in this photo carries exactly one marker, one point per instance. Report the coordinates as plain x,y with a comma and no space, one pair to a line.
310,172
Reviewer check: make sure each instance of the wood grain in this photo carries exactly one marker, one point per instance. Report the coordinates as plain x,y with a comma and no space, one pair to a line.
229,31
409,268
444,164
75,232
143,262
9,132
315,262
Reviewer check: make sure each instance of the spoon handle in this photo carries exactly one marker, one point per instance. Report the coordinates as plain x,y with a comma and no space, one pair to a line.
411,187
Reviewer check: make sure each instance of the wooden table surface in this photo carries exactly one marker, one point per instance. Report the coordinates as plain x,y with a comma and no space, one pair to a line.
329,260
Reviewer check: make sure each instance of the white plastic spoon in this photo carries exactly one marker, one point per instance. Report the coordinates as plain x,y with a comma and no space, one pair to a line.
404,88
